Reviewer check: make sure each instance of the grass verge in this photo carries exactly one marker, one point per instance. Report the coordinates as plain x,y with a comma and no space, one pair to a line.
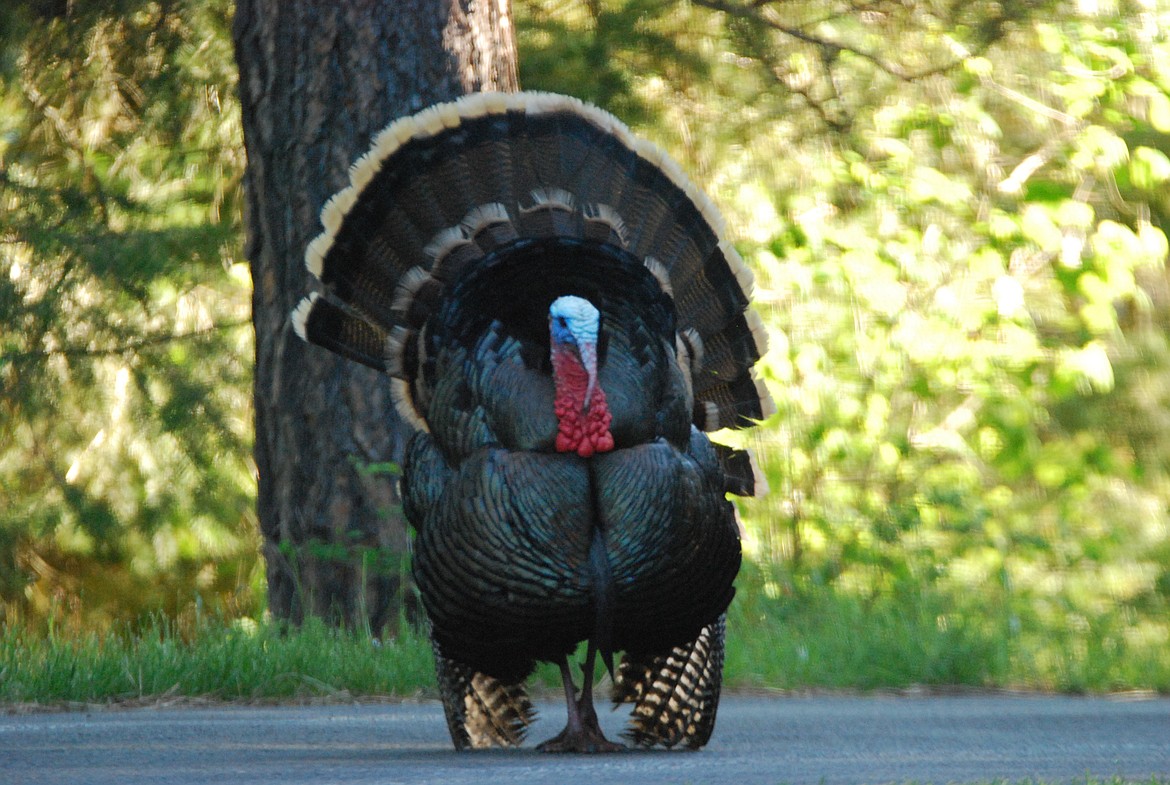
790,638
242,660
778,640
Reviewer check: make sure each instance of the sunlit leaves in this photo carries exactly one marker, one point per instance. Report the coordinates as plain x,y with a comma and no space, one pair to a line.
126,358
1149,168
962,287
956,213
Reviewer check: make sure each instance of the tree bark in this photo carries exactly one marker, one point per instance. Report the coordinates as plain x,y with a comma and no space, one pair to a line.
318,78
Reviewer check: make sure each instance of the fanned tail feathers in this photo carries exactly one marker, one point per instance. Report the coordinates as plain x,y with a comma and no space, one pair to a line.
457,183
323,322
481,710
675,695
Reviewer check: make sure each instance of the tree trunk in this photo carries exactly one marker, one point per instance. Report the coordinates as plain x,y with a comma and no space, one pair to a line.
318,78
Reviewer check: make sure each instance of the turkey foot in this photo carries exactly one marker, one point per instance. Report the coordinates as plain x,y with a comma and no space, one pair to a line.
582,732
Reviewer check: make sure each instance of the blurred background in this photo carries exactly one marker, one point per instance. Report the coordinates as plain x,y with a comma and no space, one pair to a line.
957,215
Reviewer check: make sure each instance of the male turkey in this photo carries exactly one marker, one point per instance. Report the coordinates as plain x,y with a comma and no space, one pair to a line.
562,318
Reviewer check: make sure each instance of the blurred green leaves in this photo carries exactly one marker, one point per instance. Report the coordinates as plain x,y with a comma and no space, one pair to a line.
126,355
957,215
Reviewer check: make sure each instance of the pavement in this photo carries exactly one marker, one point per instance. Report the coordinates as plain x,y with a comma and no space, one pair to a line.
773,740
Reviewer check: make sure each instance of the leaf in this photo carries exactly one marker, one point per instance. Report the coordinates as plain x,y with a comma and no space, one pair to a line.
1039,227
1088,368
1148,168
1158,111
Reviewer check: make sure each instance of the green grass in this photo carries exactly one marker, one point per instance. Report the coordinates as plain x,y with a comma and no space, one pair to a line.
786,638
238,661
823,640
779,638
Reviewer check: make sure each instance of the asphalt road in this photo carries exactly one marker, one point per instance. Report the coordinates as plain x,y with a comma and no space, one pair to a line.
758,740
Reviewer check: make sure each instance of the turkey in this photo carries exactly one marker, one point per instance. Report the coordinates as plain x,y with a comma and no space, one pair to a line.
563,320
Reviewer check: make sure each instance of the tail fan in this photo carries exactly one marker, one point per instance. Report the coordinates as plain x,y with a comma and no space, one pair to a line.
323,322
462,184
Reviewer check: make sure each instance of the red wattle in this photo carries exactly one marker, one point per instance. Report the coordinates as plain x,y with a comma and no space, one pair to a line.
582,431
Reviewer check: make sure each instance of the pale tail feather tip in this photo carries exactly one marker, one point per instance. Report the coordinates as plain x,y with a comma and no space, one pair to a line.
767,404
404,405
315,253
396,351
484,215
658,270
759,331
335,209
300,315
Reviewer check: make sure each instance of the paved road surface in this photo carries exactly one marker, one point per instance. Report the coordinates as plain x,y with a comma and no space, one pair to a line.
759,740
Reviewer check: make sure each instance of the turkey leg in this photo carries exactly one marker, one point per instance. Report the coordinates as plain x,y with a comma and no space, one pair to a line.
582,732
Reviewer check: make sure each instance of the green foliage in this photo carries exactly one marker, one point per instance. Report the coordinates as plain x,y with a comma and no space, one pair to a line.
957,215
124,350
957,323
